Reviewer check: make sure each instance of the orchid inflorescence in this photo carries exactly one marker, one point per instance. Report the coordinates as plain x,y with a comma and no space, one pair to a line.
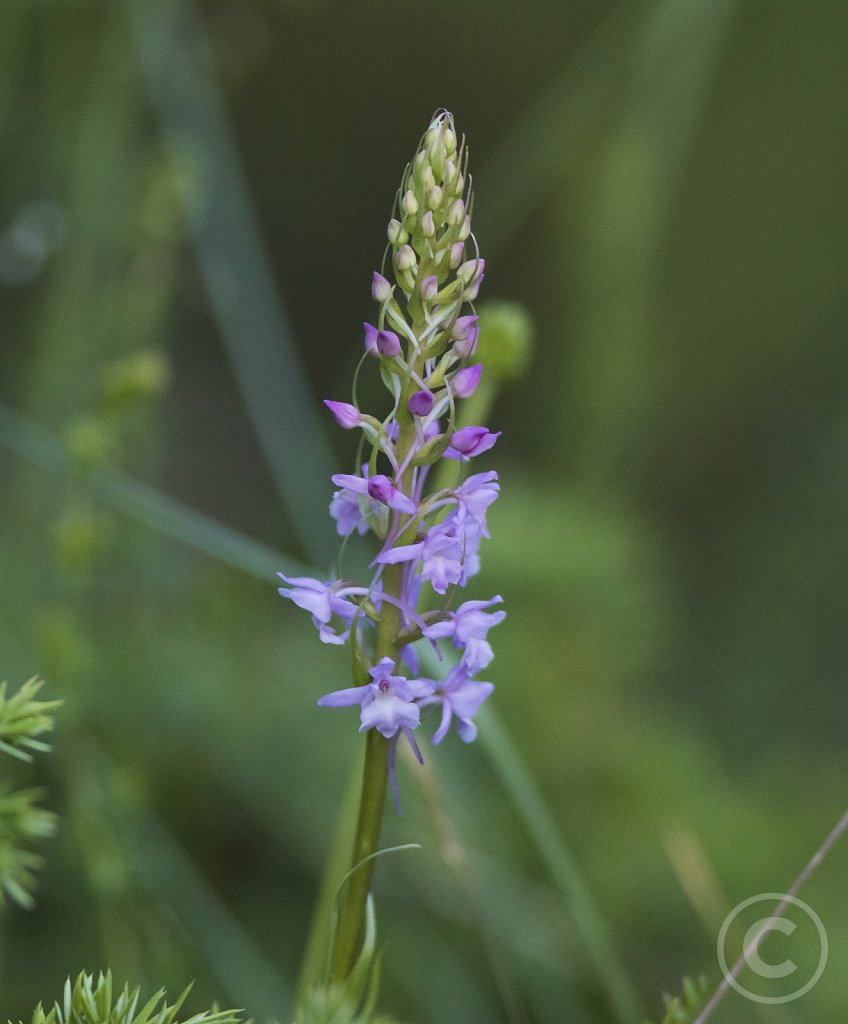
424,339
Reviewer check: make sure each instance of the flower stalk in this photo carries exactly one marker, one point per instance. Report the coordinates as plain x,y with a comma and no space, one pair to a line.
422,340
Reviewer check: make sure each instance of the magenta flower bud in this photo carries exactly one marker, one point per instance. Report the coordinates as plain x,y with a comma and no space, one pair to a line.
371,333
388,343
421,403
347,416
470,441
429,288
465,382
381,290
457,254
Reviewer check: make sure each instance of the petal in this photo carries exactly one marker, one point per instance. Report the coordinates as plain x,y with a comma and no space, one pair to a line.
351,482
468,698
440,630
344,698
403,553
442,731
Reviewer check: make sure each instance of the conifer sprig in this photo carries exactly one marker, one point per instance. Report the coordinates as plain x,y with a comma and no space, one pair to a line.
93,1002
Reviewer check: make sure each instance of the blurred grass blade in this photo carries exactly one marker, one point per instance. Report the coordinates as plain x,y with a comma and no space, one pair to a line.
553,136
565,873
254,328
147,505
243,971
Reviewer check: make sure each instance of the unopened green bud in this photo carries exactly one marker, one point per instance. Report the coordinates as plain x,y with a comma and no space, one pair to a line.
428,182
456,213
435,198
91,442
465,230
436,155
395,232
428,228
133,379
409,204
405,258
505,345
80,536
449,139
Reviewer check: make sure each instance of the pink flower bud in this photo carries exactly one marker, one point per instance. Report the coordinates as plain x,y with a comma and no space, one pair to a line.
347,416
381,290
465,382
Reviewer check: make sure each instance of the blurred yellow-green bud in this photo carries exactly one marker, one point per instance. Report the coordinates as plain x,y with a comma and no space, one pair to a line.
91,442
134,379
505,345
80,536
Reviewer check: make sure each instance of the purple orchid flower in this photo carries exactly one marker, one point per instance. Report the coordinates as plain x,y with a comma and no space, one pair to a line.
462,697
475,495
378,487
323,600
467,627
344,508
387,703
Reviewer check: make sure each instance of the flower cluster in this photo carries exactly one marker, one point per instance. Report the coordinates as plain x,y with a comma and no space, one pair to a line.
423,339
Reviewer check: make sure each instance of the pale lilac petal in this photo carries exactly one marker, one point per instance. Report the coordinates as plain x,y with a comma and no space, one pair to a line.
351,482
344,698
442,731
402,553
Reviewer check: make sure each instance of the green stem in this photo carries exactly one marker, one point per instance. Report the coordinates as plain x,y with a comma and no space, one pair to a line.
352,915
348,940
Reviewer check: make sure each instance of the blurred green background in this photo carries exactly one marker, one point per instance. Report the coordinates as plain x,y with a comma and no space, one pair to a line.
193,200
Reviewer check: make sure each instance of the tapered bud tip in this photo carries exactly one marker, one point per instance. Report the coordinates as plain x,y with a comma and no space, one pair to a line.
347,416
371,333
394,230
465,382
381,290
428,228
421,403
457,254
388,343
429,288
